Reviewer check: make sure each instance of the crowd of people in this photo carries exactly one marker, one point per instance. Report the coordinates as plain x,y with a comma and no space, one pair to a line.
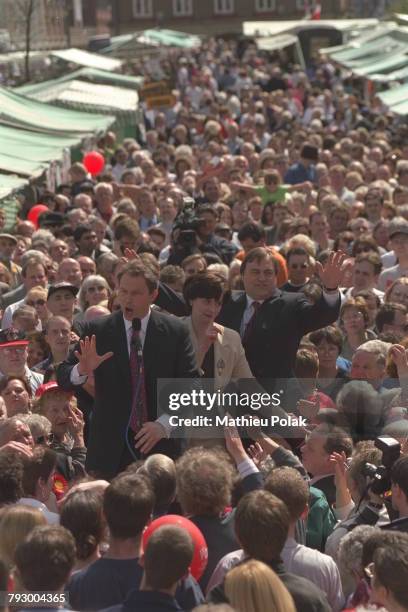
255,239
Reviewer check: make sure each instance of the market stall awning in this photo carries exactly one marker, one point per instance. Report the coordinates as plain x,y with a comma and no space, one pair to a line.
21,166
169,38
386,44
150,40
80,94
91,75
274,43
395,95
380,64
402,17
34,146
90,60
401,108
10,183
18,110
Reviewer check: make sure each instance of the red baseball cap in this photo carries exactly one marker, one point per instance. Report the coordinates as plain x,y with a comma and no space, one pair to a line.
52,385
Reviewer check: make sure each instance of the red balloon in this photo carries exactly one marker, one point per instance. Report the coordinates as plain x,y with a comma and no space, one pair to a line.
200,557
94,162
35,212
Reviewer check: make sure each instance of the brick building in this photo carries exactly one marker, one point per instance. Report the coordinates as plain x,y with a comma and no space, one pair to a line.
198,16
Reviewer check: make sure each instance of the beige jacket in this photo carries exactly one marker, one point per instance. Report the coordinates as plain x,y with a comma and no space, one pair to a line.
229,355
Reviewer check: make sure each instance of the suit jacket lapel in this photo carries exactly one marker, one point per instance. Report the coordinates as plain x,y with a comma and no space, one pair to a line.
152,340
120,346
240,305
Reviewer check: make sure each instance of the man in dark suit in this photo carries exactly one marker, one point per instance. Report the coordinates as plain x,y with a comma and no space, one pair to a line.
106,350
271,322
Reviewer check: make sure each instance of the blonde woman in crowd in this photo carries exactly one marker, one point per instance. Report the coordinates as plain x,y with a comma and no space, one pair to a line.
16,522
254,587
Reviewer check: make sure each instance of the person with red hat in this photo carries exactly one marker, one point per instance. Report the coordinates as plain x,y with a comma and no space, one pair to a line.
13,358
67,427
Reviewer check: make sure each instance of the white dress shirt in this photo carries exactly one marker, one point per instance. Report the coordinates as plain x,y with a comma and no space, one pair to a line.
142,333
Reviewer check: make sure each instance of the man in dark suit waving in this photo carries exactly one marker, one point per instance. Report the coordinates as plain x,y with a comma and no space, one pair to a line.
271,322
128,352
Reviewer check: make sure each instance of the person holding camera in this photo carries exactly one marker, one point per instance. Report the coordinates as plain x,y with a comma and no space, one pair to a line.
355,503
194,232
399,490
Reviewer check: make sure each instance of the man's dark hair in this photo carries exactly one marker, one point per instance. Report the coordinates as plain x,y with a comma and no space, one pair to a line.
45,558
261,525
128,505
252,230
81,514
296,251
206,285
81,230
11,477
259,254
338,440
40,466
127,228
137,268
386,314
399,474
168,555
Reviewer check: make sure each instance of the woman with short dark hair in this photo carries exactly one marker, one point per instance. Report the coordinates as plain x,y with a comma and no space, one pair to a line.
219,350
331,376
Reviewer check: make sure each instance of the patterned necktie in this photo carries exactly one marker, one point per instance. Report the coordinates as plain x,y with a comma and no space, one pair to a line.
138,415
250,325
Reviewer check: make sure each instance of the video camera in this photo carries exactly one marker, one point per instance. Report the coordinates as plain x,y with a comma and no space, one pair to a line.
185,229
380,477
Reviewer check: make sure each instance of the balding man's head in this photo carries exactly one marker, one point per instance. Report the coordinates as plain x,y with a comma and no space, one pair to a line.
95,312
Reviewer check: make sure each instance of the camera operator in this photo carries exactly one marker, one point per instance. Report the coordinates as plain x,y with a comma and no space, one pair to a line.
361,488
211,243
354,504
399,489
194,232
